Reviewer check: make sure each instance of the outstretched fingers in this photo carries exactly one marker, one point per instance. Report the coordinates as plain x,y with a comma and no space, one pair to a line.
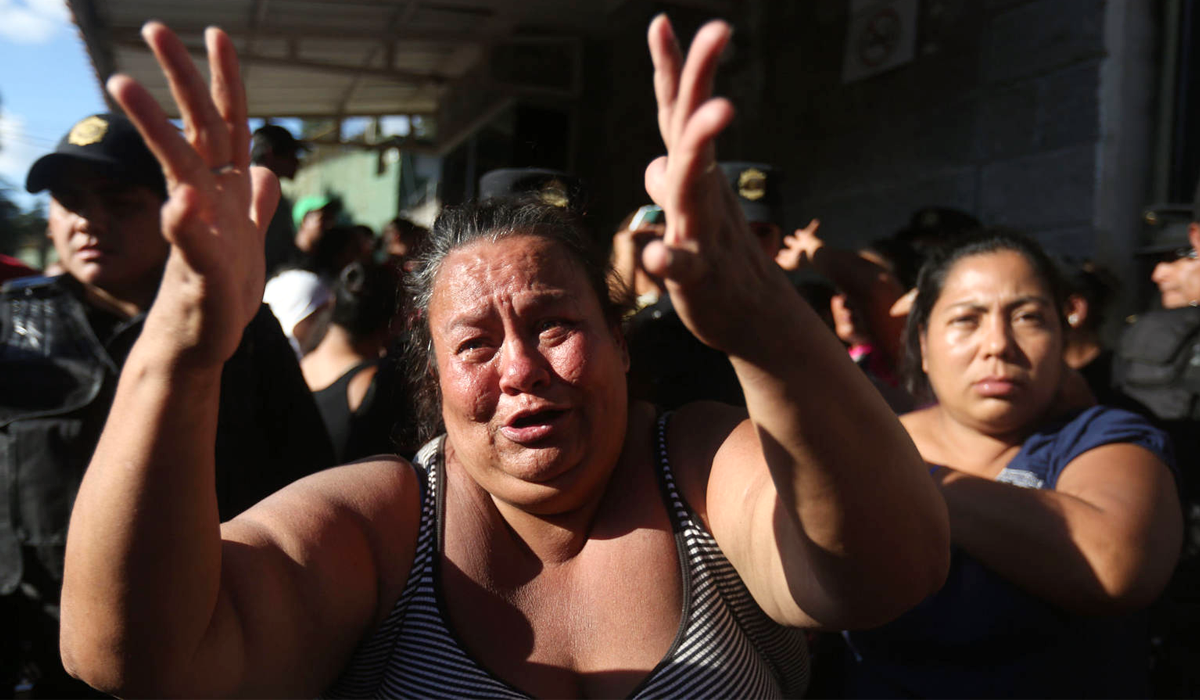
229,94
694,154
696,81
668,62
203,124
179,161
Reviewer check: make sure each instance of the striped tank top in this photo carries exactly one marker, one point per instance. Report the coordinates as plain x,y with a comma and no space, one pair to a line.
726,646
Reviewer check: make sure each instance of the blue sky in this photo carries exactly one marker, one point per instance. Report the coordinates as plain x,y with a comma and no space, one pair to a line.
46,84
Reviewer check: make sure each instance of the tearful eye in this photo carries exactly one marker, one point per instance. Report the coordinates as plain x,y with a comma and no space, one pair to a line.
551,325
469,345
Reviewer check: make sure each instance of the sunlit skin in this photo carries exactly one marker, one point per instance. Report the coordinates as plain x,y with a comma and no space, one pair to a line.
526,363
846,323
993,348
107,236
1179,280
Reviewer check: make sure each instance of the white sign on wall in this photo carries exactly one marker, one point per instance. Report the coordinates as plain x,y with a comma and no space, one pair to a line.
882,35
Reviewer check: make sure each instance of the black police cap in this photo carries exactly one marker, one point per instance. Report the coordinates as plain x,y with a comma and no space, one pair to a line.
932,226
757,188
550,186
108,143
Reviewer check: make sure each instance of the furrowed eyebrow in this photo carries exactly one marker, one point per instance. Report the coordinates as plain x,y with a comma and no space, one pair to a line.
533,301
1019,301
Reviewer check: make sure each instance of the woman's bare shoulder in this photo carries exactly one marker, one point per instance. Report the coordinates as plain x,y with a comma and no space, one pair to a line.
374,501
367,485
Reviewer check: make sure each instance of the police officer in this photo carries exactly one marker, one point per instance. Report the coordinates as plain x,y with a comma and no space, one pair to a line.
668,366
63,341
1157,370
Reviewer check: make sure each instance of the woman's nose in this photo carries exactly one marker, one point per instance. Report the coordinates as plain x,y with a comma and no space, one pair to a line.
999,336
522,367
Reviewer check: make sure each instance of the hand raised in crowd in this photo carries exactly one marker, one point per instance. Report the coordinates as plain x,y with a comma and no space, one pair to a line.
218,207
713,267
627,247
800,247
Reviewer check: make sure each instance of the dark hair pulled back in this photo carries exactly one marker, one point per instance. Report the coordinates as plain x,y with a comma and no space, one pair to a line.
364,299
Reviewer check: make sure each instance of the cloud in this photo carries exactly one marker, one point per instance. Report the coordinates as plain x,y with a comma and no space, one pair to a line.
32,21
18,150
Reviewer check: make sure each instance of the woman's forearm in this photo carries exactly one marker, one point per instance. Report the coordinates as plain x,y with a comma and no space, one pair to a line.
143,555
1089,558
843,466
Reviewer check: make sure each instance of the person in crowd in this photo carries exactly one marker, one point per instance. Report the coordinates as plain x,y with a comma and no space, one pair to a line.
301,301
557,539
339,247
312,216
347,372
301,296
1156,370
848,326
63,342
878,280
630,281
860,308
1091,289
1064,520
554,187
11,268
399,242
273,147
758,188
669,367
1157,356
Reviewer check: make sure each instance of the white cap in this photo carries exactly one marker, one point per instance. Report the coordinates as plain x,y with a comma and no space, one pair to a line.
293,296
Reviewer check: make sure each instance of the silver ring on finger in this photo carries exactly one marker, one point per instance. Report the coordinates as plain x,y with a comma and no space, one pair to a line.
222,169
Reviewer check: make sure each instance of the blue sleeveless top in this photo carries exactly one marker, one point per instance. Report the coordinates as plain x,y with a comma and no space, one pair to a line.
981,636
725,647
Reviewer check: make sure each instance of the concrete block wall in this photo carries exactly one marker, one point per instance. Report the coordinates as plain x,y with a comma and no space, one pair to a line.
998,114
1034,114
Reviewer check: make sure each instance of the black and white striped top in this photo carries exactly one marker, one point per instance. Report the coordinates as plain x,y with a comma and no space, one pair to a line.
726,647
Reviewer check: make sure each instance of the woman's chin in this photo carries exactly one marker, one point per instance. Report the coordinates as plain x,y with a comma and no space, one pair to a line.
546,486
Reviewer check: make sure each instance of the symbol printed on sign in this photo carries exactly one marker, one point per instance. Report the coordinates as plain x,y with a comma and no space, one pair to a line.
880,37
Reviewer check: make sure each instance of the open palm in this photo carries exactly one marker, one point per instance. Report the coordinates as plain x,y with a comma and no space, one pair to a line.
218,207
713,267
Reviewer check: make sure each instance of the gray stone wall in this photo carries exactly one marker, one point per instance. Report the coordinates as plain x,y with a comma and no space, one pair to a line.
998,114
1034,114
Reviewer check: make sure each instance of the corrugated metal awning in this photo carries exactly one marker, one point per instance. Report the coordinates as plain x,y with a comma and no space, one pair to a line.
345,58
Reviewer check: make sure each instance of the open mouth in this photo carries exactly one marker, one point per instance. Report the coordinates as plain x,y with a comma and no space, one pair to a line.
531,428
537,418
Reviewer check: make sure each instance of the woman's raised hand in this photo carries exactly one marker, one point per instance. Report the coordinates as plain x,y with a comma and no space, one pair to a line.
714,269
218,207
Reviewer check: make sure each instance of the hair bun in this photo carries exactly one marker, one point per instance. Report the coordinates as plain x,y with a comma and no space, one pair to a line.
353,278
